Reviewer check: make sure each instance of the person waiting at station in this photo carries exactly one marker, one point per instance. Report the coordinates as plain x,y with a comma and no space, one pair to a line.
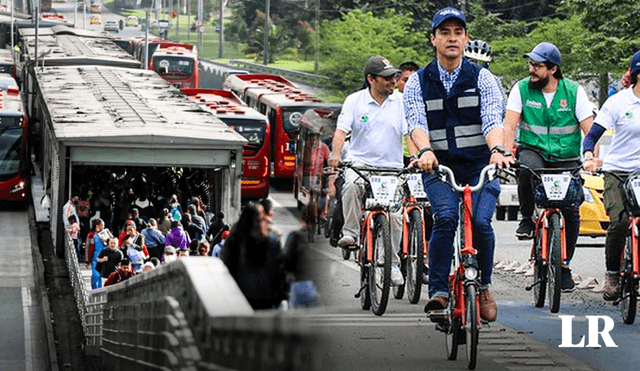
109,259
123,273
154,239
97,240
177,237
170,254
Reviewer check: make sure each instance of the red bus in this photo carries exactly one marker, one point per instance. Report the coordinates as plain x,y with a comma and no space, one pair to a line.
13,146
178,64
249,123
284,111
240,83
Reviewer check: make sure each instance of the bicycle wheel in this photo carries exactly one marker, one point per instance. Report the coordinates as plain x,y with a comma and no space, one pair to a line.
471,325
398,291
629,286
311,222
415,259
453,332
555,266
329,216
539,275
380,267
365,299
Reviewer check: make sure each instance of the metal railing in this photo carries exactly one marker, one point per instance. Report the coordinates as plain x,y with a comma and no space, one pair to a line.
296,75
186,315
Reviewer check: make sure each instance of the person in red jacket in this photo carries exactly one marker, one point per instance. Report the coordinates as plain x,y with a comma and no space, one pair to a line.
122,274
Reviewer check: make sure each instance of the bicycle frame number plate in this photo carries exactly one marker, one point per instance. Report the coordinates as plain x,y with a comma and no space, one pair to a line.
556,185
383,187
635,185
416,188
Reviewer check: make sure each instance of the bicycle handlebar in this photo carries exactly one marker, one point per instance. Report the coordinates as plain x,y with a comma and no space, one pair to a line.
450,178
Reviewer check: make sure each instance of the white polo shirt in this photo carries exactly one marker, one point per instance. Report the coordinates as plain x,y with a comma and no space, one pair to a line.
377,130
621,112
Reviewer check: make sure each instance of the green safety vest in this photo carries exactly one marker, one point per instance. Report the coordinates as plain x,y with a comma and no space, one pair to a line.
554,130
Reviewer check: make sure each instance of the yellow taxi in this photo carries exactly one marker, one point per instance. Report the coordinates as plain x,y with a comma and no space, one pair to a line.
593,216
95,19
132,21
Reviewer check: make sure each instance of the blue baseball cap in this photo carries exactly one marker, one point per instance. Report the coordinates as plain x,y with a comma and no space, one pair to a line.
545,52
445,14
635,63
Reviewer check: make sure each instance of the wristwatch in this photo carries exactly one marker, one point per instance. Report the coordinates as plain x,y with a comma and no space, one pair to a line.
500,149
423,150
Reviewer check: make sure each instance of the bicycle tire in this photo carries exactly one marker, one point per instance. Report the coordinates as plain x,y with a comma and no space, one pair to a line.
539,274
380,271
346,254
311,223
415,259
398,291
365,299
329,216
472,328
555,263
628,286
452,338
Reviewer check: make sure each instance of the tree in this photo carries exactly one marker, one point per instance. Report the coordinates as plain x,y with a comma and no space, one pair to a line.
347,43
281,42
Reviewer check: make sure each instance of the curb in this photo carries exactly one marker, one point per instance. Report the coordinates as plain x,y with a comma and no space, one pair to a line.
42,289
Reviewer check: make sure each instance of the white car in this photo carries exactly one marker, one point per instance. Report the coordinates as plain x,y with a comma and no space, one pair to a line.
111,26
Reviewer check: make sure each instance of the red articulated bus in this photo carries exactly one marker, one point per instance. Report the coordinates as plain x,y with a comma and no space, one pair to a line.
178,64
284,111
13,146
249,123
239,84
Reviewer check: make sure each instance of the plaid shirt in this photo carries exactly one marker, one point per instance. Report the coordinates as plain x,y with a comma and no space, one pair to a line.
491,99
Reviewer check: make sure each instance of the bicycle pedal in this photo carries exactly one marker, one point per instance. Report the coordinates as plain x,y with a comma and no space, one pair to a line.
438,315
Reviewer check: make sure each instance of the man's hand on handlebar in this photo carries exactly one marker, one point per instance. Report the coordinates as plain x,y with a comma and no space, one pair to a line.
502,161
334,159
592,164
426,162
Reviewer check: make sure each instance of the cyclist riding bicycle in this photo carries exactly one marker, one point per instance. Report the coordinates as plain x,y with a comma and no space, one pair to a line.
454,112
550,110
374,117
620,112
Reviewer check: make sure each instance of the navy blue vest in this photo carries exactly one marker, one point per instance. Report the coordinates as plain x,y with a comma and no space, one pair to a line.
455,128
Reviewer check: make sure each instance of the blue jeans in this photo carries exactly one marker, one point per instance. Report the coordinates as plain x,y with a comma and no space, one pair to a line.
445,203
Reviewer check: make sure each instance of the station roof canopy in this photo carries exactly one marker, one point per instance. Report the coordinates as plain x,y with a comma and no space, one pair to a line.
63,46
118,107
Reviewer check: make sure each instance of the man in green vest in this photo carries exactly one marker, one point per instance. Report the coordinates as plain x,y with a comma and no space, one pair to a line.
551,111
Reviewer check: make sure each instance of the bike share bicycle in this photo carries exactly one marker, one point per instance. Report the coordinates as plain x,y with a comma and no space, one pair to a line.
630,256
416,231
374,250
554,189
460,321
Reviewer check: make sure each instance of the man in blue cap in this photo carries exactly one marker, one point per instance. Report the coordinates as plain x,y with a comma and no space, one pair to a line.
454,112
550,110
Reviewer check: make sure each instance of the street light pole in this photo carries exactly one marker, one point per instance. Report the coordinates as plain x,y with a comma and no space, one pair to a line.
316,66
266,34
221,36
200,18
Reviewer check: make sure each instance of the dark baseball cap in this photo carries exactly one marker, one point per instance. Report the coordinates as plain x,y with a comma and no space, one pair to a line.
545,52
635,63
379,66
445,14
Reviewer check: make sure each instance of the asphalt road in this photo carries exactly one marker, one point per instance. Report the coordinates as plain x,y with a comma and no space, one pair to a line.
524,338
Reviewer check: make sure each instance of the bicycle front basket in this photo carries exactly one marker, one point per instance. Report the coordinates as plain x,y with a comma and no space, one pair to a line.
632,192
558,190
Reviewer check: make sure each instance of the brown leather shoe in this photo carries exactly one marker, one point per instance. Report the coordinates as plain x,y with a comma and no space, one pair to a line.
436,303
488,307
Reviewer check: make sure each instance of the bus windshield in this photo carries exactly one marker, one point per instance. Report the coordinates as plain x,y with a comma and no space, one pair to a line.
165,64
291,117
253,131
10,149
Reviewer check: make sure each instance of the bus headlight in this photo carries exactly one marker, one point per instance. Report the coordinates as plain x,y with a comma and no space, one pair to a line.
17,188
470,273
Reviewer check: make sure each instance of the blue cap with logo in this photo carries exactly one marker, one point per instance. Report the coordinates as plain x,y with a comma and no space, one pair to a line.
635,63
446,14
545,52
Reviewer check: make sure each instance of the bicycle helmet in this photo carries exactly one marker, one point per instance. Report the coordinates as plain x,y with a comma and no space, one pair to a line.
478,50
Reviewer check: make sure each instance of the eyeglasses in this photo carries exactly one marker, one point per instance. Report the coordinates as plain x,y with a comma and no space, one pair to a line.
388,78
536,66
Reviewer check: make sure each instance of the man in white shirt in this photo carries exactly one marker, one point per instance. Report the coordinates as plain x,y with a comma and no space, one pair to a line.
70,209
375,118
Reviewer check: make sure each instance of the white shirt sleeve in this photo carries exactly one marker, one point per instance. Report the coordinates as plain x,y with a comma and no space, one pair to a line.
346,117
514,102
607,116
584,108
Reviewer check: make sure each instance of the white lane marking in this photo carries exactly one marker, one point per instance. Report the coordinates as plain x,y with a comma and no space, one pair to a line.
26,306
